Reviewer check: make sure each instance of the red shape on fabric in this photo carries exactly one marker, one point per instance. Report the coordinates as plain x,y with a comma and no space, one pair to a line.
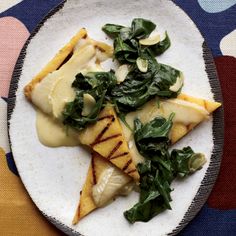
223,195
13,35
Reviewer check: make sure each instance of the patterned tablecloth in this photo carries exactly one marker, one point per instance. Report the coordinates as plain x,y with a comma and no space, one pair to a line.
216,20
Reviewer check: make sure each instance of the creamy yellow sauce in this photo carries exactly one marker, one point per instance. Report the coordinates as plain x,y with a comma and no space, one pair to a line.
55,90
53,133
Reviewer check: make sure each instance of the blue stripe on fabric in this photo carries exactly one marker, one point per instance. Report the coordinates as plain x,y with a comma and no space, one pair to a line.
30,12
11,163
214,26
212,222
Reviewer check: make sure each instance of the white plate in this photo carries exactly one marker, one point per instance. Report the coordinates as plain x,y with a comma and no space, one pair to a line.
54,176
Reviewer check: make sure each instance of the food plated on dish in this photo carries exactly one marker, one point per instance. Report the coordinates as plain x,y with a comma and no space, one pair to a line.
127,118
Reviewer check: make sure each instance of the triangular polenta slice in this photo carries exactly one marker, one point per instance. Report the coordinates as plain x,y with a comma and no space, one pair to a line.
189,112
63,56
87,204
179,130
97,166
55,62
106,138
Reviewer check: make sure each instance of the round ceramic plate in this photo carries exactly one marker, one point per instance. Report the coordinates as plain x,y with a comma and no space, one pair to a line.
54,176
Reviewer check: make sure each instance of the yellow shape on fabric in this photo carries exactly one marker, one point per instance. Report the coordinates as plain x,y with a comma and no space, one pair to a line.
18,214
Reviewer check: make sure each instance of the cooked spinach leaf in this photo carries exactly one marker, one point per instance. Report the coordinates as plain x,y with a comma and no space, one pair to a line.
159,169
97,84
142,28
152,139
112,30
185,161
138,87
124,52
126,40
162,46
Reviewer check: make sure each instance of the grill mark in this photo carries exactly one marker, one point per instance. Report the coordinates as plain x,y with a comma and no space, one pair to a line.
205,104
108,138
97,139
120,155
107,117
85,36
131,171
66,60
100,48
188,127
127,165
114,150
79,211
93,171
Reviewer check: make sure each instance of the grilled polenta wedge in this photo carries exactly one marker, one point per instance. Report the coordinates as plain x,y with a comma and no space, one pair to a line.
52,88
106,138
64,55
189,112
55,63
96,171
178,130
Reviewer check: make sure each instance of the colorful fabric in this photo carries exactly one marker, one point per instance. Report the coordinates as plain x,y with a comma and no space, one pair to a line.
216,19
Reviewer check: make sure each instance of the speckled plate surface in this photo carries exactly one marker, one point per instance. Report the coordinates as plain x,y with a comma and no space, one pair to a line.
54,176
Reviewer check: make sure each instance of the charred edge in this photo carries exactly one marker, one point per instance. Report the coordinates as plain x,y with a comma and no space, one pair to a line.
86,35
99,48
127,165
93,171
102,132
131,171
120,155
205,104
107,117
79,211
188,127
66,60
114,150
108,138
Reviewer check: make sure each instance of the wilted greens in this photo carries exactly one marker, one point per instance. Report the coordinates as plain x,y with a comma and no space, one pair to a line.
160,168
126,40
97,84
145,80
139,87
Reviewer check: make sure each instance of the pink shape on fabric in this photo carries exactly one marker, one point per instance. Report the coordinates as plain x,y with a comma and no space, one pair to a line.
13,35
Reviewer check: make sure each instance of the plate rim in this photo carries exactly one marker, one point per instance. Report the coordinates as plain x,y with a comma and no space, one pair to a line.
212,171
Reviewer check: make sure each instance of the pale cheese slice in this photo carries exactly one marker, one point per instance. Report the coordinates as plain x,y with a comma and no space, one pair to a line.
55,89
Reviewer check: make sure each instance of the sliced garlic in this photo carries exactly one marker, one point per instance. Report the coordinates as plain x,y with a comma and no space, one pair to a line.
121,73
196,162
151,40
142,64
89,103
178,84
